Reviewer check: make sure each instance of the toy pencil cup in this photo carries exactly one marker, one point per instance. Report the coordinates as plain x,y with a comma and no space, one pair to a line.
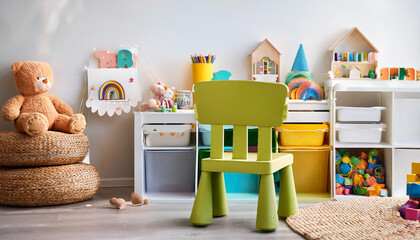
202,72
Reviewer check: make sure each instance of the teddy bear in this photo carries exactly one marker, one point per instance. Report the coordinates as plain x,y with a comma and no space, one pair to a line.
163,95
35,111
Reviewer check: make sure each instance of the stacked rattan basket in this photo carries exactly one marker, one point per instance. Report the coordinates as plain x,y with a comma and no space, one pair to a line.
45,170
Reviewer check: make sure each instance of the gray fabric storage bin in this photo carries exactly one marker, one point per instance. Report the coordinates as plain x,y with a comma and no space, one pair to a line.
170,171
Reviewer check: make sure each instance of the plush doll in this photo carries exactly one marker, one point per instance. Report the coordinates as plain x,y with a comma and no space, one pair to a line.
162,96
168,98
35,111
158,89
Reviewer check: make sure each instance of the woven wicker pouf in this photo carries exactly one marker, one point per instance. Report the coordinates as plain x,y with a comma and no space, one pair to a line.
51,148
53,185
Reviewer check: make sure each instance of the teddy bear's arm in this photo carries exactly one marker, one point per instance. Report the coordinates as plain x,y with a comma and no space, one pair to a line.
11,109
60,106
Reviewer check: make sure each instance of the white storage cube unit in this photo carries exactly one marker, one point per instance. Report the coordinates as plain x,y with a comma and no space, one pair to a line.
170,171
359,133
359,114
167,135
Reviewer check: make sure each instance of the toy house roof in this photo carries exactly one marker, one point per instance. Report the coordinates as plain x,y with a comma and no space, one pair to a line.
266,49
354,67
353,34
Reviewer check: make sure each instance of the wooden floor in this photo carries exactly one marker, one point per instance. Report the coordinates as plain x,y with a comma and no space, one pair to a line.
96,219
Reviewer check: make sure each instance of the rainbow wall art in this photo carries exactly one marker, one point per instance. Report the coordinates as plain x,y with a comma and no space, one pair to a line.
111,90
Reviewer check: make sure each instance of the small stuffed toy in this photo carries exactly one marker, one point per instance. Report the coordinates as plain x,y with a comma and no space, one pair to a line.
35,111
163,96
168,98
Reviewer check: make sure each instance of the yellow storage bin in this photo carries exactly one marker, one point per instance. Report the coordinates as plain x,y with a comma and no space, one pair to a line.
310,170
302,134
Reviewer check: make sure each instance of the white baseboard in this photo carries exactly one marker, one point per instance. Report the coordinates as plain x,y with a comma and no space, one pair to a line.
117,182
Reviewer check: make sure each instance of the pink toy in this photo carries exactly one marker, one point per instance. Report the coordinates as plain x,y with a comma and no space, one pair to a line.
168,98
339,189
106,59
163,96
346,191
412,214
158,89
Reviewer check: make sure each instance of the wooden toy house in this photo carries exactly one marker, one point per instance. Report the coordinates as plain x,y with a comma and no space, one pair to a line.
353,50
354,72
265,63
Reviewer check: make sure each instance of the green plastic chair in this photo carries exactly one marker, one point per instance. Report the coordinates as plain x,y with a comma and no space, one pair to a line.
242,104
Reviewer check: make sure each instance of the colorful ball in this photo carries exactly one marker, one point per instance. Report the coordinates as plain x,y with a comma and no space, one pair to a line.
344,169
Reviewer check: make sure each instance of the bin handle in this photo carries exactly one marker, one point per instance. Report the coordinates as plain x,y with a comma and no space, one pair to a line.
304,150
317,130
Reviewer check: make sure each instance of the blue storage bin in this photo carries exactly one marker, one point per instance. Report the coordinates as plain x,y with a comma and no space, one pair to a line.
241,183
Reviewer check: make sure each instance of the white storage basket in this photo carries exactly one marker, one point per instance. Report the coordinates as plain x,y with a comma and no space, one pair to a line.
359,114
167,135
359,133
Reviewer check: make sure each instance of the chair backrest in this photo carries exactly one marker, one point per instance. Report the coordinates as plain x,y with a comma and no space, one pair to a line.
244,103
241,104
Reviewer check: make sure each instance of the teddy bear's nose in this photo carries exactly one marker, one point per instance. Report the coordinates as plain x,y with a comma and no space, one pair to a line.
45,81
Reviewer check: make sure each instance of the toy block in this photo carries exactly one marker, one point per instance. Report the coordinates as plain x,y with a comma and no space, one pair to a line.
361,182
416,200
413,190
407,205
348,181
360,191
356,179
339,179
412,214
370,181
384,192
339,190
415,168
411,178
370,192
346,191
377,189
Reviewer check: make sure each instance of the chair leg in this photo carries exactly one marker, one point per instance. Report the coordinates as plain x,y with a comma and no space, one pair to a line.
287,194
202,211
267,218
220,207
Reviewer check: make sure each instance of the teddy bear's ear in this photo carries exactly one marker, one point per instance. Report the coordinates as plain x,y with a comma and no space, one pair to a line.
16,66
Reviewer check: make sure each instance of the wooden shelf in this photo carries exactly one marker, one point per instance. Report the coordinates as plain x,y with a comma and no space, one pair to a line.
370,85
355,63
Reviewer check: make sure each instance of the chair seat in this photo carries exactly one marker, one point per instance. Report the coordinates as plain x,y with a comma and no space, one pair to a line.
250,165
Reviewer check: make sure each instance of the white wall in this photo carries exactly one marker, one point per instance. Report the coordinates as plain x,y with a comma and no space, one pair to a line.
64,33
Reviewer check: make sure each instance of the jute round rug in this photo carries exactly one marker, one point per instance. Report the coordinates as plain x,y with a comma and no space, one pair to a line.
364,218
